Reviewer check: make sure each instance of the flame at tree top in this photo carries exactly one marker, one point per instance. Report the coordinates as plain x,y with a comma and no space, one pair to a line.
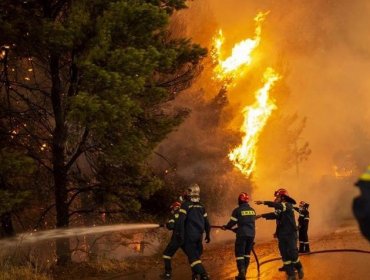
255,118
233,66
228,71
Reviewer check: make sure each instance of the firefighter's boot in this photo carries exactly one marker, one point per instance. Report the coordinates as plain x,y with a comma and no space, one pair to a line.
289,269
166,276
299,268
246,264
240,263
300,273
301,247
204,277
307,248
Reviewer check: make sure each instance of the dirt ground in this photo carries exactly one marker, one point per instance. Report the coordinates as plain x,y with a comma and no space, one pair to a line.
219,261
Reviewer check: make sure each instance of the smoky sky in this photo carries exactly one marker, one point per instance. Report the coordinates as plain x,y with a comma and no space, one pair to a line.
321,48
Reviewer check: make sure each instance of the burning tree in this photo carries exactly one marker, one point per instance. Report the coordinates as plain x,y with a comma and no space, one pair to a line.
82,88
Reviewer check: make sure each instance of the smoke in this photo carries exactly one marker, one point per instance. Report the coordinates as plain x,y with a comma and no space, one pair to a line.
321,49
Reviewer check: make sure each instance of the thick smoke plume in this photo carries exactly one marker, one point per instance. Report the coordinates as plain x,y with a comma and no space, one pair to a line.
320,47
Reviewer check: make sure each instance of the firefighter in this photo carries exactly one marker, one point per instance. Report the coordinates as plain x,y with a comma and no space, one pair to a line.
244,217
174,244
192,223
361,204
303,220
286,231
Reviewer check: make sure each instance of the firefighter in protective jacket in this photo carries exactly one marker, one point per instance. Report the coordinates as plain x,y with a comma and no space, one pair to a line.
303,221
286,231
361,204
244,217
193,222
174,244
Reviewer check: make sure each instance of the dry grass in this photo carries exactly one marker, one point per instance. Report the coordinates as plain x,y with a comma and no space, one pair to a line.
21,273
90,270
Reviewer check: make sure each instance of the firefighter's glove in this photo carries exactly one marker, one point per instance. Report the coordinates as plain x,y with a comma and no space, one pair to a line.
258,202
207,239
224,227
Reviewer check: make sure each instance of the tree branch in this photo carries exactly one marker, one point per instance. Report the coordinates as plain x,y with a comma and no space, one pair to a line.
43,215
80,149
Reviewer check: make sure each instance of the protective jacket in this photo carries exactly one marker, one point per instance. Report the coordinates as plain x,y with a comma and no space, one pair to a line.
284,216
304,217
361,204
193,220
286,232
244,216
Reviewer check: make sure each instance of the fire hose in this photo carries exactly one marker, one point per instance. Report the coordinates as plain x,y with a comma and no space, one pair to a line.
259,264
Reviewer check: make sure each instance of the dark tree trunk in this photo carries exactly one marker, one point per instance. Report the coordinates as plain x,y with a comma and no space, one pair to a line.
7,229
59,165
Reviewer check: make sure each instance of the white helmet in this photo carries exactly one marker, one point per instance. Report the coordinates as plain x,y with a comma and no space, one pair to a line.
194,192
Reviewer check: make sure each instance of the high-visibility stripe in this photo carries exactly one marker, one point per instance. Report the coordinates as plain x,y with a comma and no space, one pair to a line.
297,260
247,256
287,262
176,216
306,218
366,175
301,215
195,206
233,219
239,258
171,221
306,242
247,213
195,263
301,242
183,211
205,215
166,257
284,206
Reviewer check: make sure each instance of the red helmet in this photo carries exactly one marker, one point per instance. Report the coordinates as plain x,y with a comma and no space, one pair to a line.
281,192
175,205
243,197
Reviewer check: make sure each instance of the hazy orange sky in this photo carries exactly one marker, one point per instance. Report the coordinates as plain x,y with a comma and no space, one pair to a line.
322,49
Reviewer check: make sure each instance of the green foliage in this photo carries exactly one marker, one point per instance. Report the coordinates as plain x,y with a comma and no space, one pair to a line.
114,67
15,169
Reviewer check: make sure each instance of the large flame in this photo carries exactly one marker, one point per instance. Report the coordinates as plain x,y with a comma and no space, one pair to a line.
234,66
255,118
228,71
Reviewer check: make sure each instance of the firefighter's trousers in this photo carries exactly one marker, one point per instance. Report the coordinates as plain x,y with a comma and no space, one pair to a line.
304,244
168,253
243,248
289,253
193,248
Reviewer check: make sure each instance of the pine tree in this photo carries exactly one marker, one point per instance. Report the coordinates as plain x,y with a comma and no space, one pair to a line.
85,82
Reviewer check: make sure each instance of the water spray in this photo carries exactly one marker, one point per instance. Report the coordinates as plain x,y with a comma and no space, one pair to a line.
33,237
